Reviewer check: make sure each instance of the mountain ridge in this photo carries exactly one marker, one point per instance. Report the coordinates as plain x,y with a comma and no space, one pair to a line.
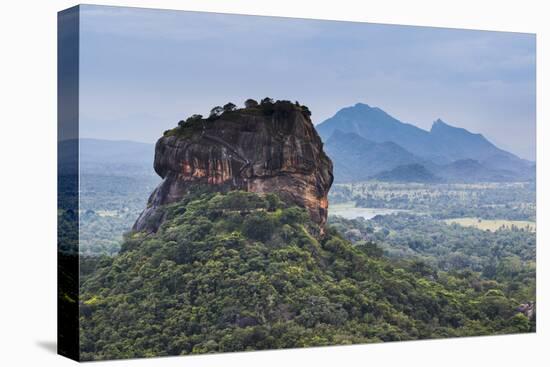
436,148
358,158
373,123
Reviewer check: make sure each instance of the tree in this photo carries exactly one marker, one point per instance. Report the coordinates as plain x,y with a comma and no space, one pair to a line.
259,226
371,249
250,103
228,107
267,106
306,111
195,117
267,100
519,323
216,112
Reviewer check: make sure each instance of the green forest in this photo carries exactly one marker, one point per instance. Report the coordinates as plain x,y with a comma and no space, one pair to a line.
507,256
239,271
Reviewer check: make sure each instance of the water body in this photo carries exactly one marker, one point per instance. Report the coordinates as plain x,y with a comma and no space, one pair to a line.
353,212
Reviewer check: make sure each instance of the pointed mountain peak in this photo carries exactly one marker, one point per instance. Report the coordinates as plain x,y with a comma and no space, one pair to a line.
358,108
440,126
363,110
443,129
439,123
368,108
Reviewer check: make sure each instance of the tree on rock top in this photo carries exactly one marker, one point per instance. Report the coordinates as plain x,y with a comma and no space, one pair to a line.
228,107
250,103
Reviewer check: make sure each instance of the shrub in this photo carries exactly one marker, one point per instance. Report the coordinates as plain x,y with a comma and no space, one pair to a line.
250,103
195,117
215,112
228,107
258,226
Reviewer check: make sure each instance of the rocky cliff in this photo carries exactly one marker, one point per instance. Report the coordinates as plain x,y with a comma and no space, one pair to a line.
264,148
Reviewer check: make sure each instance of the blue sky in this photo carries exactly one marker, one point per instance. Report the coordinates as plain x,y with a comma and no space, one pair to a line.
143,70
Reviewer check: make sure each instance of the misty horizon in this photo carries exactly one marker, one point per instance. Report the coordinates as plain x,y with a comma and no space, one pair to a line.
315,124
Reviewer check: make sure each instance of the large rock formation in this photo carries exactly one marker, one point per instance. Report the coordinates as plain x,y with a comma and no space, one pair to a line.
272,147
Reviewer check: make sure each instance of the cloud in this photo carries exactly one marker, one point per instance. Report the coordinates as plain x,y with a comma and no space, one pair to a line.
170,64
182,26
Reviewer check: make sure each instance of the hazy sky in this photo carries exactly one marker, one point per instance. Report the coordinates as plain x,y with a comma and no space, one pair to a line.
143,70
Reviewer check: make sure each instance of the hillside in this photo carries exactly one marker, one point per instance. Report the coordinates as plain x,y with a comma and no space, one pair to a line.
407,173
470,170
240,271
464,170
232,253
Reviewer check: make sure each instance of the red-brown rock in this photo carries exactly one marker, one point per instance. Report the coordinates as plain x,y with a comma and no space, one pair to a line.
263,150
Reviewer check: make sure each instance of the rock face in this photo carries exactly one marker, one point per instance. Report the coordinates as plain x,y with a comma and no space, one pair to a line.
262,149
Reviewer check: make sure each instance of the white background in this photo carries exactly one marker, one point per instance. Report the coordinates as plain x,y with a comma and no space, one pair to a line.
28,182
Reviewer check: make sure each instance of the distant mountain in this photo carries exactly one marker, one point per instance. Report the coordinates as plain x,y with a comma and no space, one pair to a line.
408,173
376,125
523,168
470,170
108,157
357,159
441,146
459,144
